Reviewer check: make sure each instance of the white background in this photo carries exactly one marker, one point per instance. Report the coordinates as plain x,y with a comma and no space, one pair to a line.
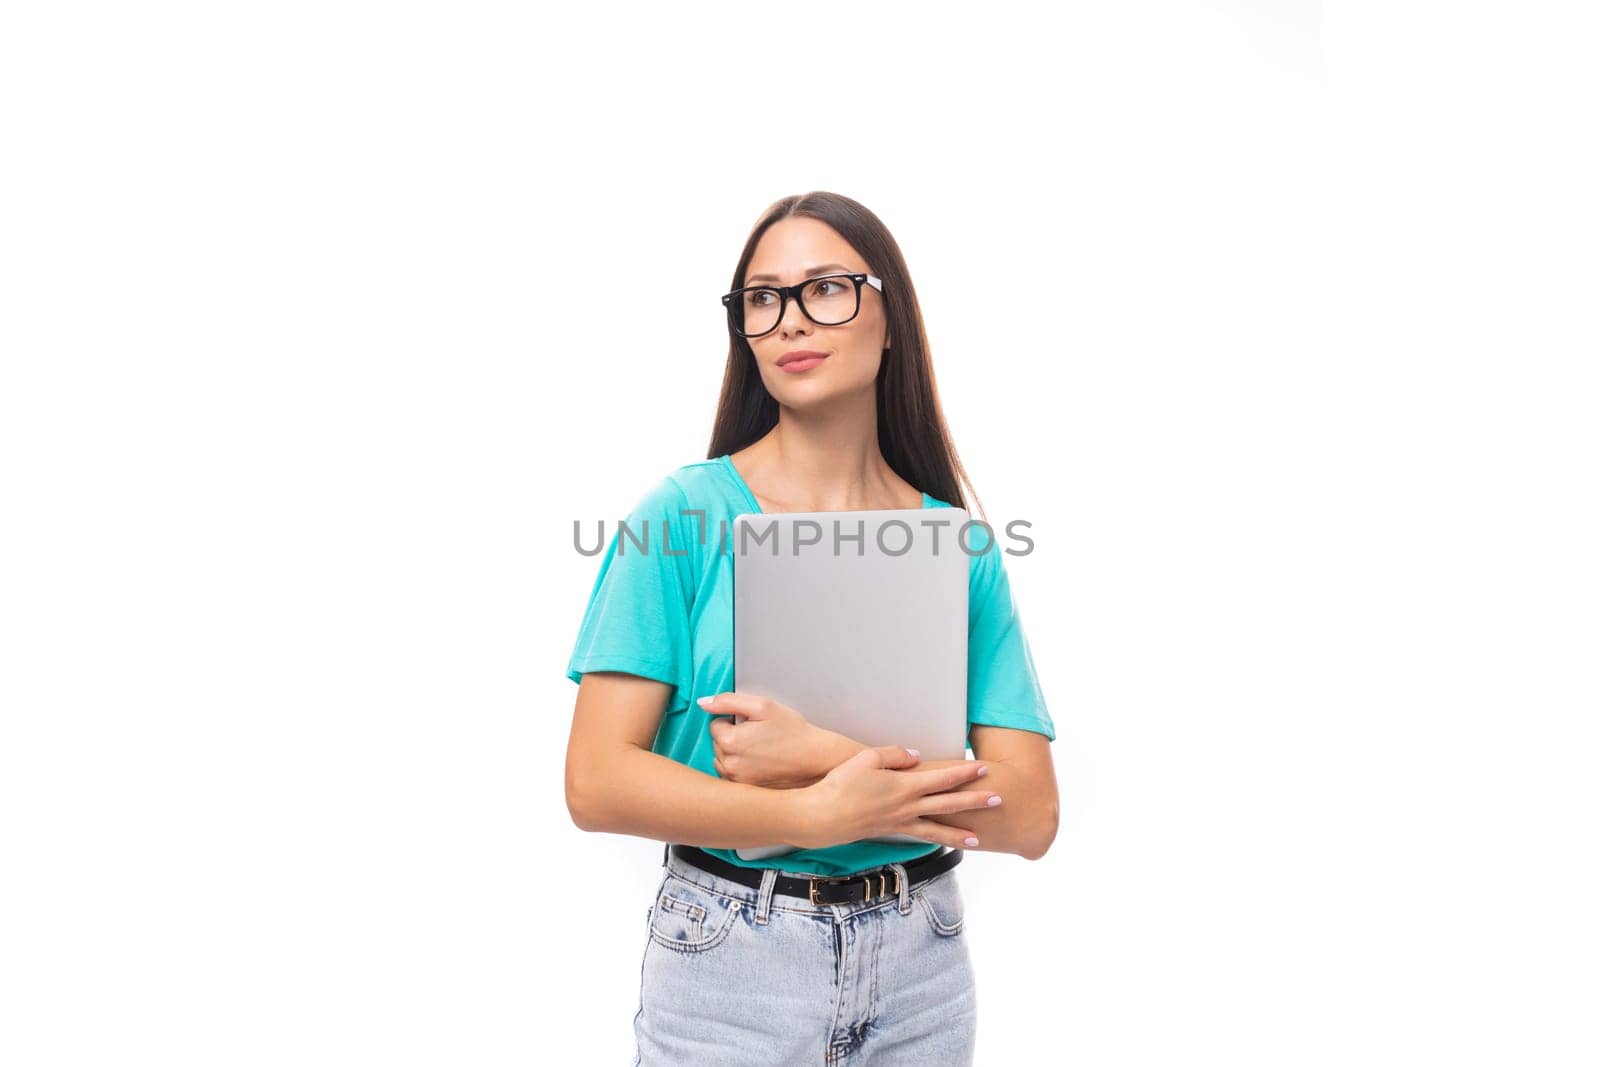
321,323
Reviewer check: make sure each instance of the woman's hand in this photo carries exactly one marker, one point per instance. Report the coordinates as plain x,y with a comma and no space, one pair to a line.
775,746
872,794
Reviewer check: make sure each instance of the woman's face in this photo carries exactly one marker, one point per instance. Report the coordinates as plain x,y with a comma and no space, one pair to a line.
791,251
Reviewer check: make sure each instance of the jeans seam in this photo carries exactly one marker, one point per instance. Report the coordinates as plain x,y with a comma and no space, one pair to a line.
940,927
649,923
705,943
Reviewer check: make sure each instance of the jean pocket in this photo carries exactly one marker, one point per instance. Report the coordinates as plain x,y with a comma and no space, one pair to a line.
941,902
687,917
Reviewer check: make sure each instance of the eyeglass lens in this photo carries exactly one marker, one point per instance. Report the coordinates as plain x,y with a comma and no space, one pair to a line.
828,301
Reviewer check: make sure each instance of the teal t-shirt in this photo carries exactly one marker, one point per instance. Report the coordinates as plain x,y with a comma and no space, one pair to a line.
668,615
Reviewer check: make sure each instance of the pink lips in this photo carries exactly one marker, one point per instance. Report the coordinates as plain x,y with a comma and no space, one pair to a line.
795,362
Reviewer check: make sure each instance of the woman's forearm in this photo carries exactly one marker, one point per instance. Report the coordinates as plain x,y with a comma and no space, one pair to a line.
1024,823
646,794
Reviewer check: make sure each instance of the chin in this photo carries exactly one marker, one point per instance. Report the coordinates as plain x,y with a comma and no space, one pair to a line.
813,394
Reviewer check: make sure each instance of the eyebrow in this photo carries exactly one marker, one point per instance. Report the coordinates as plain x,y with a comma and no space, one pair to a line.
826,268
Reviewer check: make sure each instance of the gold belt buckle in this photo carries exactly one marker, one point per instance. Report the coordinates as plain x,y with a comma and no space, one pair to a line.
866,885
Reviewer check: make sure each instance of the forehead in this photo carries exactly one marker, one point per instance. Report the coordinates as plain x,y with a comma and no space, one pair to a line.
795,248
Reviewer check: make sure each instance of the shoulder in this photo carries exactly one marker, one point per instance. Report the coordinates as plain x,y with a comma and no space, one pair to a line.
700,481
687,486
986,562
705,485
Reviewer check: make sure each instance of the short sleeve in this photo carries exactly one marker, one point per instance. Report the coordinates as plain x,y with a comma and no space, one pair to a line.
1002,685
637,619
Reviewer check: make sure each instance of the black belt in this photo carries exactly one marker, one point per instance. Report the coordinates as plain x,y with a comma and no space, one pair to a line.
852,889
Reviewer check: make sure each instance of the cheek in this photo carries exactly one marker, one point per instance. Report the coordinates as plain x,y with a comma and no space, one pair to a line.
859,361
867,359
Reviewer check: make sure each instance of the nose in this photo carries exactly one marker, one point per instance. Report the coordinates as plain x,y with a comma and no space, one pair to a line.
793,319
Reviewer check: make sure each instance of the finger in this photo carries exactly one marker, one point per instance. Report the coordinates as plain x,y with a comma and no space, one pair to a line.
879,757
939,779
747,704
948,803
939,833
720,729
895,757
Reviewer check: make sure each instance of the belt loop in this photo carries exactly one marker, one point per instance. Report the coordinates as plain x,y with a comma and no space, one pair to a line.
769,881
666,850
905,887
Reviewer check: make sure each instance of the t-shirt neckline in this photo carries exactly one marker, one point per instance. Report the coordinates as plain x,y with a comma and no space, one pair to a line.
726,460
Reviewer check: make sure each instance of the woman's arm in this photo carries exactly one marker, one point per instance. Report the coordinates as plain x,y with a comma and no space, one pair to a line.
1022,767
1020,771
615,784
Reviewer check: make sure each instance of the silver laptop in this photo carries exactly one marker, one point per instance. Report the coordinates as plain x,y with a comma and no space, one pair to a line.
857,620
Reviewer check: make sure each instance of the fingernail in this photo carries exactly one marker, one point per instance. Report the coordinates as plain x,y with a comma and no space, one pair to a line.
705,702
994,800
983,770
972,842
913,751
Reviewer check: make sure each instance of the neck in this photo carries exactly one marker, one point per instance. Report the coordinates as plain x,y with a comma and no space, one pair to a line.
826,459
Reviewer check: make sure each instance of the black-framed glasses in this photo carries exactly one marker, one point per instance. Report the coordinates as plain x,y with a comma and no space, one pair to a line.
828,300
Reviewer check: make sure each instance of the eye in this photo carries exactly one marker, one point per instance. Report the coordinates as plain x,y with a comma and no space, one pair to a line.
760,297
820,288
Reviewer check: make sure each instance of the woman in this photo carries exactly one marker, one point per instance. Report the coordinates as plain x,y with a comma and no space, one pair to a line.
848,951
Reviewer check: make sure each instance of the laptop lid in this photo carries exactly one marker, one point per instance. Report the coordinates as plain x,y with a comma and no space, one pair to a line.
857,620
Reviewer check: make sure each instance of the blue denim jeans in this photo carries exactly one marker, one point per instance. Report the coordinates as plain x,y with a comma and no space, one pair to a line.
737,975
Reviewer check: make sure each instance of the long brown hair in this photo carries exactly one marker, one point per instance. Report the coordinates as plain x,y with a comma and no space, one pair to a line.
912,434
